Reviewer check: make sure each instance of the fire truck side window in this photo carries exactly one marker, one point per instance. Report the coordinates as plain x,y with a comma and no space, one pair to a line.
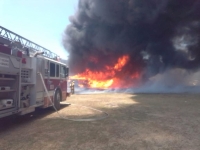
62,71
52,69
57,70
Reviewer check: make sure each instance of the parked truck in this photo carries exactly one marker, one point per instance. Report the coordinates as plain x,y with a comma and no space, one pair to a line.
30,76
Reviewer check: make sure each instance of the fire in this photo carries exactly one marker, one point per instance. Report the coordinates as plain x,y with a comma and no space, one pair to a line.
102,84
121,62
106,78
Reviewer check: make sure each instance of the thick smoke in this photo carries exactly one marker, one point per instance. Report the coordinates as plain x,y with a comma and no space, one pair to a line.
156,34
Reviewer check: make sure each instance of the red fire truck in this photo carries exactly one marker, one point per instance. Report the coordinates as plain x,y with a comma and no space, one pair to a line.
24,67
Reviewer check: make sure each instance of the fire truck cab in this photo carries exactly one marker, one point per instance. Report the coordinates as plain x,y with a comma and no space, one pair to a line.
24,67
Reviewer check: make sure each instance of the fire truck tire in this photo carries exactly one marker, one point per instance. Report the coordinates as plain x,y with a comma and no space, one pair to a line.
57,100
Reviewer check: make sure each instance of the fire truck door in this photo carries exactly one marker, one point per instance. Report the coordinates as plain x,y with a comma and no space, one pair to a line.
54,79
63,81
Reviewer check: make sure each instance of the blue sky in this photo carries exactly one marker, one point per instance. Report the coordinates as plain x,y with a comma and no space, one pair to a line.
41,21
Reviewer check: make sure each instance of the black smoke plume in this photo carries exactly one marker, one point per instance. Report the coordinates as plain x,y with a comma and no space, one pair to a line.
156,34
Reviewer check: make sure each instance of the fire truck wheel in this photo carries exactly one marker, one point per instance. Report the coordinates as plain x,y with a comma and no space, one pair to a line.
57,100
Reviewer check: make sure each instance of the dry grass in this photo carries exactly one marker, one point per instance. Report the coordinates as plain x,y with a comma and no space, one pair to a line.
135,122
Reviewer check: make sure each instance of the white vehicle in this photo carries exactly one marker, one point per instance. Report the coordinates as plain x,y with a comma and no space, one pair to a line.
24,67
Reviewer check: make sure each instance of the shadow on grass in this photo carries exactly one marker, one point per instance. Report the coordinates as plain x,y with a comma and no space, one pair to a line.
14,121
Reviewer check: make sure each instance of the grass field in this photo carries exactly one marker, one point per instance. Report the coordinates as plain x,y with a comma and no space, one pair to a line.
135,122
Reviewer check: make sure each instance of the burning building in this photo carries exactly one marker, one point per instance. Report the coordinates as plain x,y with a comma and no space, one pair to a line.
123,43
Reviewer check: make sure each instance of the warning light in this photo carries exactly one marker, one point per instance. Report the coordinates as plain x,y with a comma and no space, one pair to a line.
24,60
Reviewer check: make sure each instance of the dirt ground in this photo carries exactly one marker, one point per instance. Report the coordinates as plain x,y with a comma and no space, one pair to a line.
135,122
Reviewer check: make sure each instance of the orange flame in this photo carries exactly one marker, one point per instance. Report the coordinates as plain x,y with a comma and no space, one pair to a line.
106,78
121,63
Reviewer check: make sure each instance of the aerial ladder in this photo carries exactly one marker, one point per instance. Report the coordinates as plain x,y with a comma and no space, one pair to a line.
8,37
